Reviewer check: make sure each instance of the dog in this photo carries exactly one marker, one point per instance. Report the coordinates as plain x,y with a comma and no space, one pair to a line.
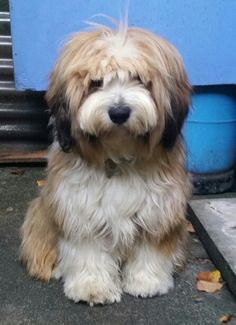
111,215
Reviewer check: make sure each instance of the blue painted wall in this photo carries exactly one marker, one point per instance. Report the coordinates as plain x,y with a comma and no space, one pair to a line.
204,31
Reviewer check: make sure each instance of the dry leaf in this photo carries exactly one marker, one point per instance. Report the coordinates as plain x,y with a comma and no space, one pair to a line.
225,319
208,286
40,182
213,276
17,171
190,227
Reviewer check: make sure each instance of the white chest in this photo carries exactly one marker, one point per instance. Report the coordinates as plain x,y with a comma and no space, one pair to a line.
94,205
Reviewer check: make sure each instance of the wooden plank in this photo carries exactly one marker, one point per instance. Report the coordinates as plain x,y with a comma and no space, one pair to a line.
24,156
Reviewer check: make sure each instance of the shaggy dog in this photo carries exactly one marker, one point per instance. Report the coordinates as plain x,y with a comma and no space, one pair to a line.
111,216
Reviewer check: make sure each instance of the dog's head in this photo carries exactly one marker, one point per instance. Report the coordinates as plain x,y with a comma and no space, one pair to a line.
118,91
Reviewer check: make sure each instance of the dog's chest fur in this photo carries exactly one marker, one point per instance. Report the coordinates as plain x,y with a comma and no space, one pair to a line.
92,204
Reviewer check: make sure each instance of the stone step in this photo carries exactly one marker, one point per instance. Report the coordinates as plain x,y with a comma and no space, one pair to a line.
215,223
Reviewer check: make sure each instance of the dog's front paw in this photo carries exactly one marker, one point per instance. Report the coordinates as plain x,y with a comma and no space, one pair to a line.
93,290
144,284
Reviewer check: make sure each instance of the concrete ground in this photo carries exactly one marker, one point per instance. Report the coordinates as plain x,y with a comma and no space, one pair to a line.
26,301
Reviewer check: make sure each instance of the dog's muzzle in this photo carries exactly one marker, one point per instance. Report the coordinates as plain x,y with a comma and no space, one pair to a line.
119,114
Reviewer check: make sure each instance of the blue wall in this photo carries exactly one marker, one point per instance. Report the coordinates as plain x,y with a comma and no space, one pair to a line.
204,31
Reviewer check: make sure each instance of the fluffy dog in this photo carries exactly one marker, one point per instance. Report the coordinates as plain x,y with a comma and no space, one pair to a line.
111,216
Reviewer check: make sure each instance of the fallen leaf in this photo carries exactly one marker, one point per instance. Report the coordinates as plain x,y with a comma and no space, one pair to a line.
213,276
17,171
190,227
41,182
208,286
225,319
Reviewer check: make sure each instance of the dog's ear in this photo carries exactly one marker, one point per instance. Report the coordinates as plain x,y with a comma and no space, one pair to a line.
179,106
60,115
62,125
179,91
172,99
66,89
170,90
63,97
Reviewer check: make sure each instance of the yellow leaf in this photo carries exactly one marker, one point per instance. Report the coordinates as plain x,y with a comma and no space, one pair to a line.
208,286
215,276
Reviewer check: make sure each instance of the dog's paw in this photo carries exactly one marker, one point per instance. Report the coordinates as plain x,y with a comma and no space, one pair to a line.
143,284
93,290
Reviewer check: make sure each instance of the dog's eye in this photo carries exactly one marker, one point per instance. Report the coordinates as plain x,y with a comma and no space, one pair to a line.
147,84
94,84
138,79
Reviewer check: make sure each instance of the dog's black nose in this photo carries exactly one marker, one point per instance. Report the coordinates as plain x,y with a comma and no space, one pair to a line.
119,114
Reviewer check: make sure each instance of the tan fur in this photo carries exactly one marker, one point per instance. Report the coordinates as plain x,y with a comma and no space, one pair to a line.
157,62
40,233
39,241
87,57
174,240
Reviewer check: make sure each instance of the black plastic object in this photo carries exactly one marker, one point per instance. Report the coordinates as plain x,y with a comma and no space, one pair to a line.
23,117
213,183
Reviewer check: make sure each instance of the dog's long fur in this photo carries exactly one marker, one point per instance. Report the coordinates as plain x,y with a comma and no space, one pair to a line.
111,216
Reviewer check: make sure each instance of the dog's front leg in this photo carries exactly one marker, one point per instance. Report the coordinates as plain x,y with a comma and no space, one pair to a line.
148,271
90,273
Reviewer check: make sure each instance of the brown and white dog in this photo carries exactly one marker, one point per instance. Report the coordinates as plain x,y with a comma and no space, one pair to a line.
111,216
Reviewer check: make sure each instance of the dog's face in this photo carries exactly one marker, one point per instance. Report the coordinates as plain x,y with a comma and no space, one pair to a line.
120,93
118,102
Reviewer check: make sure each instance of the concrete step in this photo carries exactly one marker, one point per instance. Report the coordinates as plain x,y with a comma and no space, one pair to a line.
215,223
5,23
5,46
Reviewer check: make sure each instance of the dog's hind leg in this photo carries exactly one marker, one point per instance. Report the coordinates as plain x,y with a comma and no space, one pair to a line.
39,241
